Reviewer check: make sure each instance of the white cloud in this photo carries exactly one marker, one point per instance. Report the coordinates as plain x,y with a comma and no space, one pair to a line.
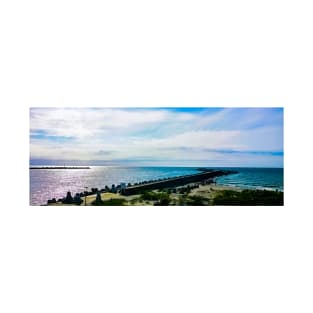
125,134
82,123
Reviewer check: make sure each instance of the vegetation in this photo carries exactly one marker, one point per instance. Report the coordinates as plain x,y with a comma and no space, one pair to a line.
223,197
164,201
182,200
134,201
196,200
150,196
116,201
249,197
192,200
161,198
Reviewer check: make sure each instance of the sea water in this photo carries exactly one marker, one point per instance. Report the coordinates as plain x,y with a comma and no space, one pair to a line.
54,183
255,178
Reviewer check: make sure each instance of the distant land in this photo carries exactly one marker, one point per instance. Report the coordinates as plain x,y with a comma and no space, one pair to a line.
59,167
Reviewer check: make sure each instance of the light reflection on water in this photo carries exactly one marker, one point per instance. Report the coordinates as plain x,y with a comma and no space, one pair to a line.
47,184
54,183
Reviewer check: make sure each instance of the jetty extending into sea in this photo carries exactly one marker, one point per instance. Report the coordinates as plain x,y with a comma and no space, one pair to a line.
191,190
176,181
206,176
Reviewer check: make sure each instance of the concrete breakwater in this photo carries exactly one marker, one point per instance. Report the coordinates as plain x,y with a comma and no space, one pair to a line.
173,182
138,188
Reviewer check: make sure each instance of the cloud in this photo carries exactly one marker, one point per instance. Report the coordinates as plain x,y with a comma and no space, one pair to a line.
84,123
157,134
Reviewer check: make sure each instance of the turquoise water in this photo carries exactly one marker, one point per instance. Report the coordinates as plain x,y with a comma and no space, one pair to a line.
46,184
255,178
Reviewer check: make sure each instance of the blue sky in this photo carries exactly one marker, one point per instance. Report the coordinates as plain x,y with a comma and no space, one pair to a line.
157,136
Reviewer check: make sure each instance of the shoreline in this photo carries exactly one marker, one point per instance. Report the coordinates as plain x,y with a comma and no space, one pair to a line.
205,192
250,187
140,180
187,182
201,188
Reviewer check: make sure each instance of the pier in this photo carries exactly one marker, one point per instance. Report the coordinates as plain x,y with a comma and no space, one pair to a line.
174,182
205,176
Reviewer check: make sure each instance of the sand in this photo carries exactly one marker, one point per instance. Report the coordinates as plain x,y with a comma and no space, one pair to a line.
207,191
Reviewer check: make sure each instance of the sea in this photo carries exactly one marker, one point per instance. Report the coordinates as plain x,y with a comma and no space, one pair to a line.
54,183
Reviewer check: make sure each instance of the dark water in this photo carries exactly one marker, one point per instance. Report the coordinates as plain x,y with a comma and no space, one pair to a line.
46,184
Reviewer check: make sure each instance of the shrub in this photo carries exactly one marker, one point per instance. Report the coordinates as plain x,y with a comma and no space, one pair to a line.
182,200
249,197
163,198
111,202
134,200
196,200
163,202
150,196
117,201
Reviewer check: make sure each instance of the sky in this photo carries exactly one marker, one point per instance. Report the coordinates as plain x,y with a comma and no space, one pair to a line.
230,137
